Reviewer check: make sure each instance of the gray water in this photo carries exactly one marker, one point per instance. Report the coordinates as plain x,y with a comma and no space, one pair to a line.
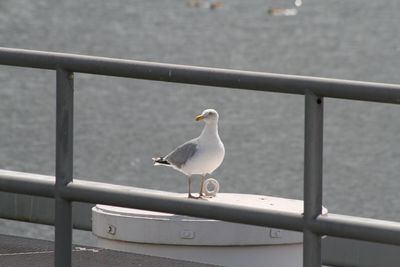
120,124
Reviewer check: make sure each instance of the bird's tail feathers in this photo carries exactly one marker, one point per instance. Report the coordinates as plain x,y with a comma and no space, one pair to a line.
160,161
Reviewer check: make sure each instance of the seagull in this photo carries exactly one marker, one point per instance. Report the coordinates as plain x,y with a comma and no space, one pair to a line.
199,156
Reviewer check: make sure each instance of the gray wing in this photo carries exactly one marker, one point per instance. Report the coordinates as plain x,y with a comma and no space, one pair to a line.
181,154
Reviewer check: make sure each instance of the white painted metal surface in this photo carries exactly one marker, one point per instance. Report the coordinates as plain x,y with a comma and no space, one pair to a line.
202,240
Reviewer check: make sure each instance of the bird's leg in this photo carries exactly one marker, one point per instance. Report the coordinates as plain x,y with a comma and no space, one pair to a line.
190,183
203,177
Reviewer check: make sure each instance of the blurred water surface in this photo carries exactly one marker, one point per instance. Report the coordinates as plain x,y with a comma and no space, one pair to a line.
120,124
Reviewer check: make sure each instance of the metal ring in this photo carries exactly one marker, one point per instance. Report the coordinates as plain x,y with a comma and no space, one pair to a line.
214,187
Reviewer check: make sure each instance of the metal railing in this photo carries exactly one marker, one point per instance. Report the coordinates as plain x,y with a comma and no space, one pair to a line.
66,190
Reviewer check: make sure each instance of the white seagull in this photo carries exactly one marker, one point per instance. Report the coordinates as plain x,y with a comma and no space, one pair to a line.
201,155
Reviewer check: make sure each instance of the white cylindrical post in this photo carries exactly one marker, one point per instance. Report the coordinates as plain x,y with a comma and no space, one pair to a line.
202,240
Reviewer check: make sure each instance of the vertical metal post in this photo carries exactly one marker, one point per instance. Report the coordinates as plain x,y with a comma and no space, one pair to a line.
313,143
64,167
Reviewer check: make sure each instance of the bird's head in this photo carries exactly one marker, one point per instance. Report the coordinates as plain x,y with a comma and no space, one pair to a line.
208,115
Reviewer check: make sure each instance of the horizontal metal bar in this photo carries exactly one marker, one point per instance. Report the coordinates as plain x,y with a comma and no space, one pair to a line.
291,84
386,232
27,183
140,198
160,201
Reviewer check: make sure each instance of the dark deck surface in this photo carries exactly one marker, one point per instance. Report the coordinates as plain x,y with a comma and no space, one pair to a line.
20,252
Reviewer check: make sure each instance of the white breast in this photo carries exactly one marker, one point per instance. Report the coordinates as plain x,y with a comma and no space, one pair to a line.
207,158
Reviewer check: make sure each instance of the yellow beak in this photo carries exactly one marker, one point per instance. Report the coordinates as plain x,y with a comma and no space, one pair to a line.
199,118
